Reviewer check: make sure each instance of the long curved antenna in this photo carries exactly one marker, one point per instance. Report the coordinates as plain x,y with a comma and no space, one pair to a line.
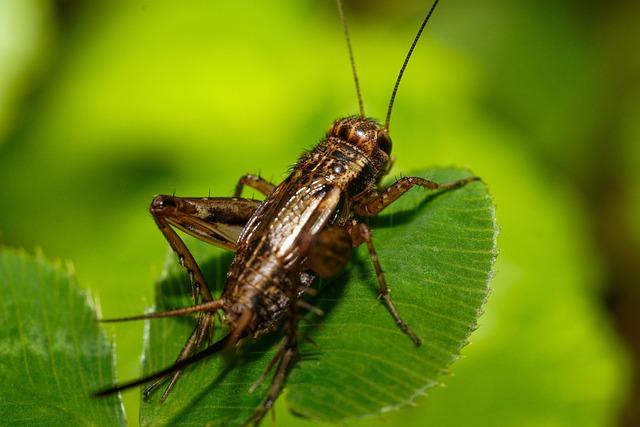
353,62
406,61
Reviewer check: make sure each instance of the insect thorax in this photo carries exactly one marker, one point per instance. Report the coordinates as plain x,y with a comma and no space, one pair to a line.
354,156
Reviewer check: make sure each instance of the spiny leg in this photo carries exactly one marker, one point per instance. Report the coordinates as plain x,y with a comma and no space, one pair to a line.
173,371
204,326
214,220
203,329
256,182
283,346
270,366
378,200
361,233
218,221
286,356
159,207
210,351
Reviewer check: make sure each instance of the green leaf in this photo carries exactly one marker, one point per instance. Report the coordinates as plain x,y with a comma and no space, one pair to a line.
437,250
53,354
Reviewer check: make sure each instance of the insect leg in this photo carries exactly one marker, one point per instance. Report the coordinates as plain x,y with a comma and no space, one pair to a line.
256,182
213,349
361,233
205,324
184,360
330,251
286,356
283,347
215,220
379,200
287,359
270,366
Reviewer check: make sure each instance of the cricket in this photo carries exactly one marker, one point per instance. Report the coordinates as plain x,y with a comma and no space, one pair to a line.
306,228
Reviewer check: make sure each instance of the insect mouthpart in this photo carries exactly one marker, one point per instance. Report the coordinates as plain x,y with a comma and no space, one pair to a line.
363,132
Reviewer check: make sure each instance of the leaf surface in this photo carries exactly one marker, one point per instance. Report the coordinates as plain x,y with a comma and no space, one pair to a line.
437,251
53,354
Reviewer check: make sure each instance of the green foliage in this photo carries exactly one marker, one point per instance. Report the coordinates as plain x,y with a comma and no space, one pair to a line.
53,354
437,250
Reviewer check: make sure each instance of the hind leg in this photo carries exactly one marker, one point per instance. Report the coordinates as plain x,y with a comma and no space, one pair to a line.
218,221
203,329
285,359
214,220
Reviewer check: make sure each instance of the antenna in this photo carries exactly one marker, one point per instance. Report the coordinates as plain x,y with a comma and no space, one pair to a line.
406,61
353,62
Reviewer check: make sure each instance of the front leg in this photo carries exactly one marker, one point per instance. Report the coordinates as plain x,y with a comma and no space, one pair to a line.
361,233
375,202
331,250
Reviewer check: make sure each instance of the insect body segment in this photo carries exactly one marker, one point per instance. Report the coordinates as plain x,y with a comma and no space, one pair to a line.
364,133
307,226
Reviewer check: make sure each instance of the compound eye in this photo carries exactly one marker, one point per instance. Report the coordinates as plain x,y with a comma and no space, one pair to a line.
384,142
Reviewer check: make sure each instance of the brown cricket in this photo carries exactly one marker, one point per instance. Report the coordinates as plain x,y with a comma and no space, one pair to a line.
306,227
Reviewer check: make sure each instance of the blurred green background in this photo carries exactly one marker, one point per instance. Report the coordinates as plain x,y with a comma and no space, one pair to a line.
105,104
